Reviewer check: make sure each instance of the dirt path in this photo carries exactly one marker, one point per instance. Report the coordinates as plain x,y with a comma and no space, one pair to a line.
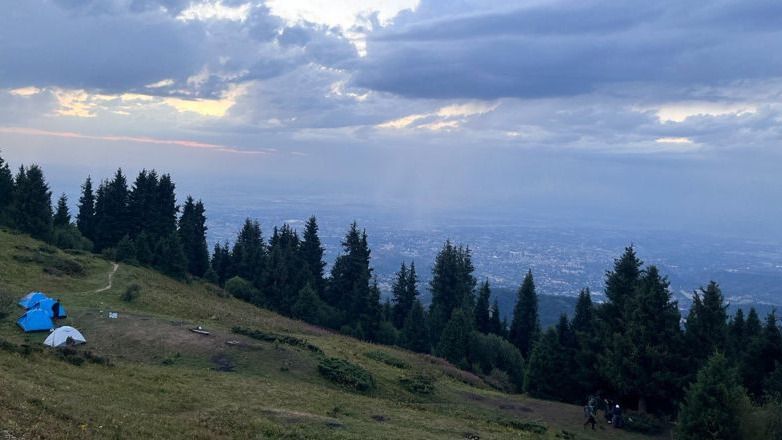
111,276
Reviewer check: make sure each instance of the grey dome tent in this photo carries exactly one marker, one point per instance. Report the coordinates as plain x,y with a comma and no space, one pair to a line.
59,337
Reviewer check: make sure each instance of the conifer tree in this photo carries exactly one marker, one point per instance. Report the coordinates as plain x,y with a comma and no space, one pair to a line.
647,359
142,204
452,286
111,212
349,286
455,338
32,207
126,251
165,207
372,317
62,217
415,331
249,253
404,292
6,192
763,354
620,287
525,327
221,263
283,276
496,326
85,219
711,406
311,251
707,328
192,233
482,311
170,257
307,306
736,337
544,375
583,318
145,249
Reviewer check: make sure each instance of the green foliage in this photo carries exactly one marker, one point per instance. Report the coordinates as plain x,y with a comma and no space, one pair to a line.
711,407
452,287
243,289
483,322
346,374
125,251
382,356
131,293
85,219
525,327
170,257
455,339
112,215
492,352
249,253
32,209
707,327
418,383
62,217
192,233
6,192
404,292
644,424
311,253
415,332
69,237
386,333
308,305
277,339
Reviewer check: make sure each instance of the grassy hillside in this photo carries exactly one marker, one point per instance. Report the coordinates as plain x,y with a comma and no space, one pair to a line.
165,381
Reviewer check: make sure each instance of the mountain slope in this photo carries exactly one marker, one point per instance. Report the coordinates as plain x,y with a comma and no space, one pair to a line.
165,381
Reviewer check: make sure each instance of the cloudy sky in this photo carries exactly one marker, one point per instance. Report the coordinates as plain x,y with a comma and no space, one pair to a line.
665,113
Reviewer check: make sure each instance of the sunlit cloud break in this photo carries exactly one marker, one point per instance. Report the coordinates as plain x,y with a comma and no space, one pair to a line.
135,139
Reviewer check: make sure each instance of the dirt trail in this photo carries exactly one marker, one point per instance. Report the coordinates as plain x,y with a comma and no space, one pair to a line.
111,276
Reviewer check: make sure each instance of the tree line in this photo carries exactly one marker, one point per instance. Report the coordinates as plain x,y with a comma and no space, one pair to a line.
634,346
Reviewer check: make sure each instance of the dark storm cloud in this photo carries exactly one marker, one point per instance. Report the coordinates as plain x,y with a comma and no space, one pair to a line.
564,49
79,47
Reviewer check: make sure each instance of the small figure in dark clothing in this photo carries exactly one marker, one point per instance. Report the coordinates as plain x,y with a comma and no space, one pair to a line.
56,309
589,414
609,411
617,419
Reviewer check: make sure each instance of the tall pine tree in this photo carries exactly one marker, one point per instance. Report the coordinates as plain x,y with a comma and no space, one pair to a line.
249,253
85,219
482,310
707,326
32,207
62,217
712,405
311,251
6,192
192,233
525,327
111,212
415,331
452,286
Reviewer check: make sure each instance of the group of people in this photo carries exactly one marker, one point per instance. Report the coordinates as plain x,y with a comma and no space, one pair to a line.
611,410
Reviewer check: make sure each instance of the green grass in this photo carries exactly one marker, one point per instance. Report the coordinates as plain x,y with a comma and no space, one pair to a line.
168,382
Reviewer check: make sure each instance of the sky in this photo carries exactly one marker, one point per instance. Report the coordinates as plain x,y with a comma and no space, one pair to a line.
664,114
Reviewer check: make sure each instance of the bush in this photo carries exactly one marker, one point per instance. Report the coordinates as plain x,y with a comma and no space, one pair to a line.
277,339
69,237
418,383
242,289
346,374
131,293
382,356
644,424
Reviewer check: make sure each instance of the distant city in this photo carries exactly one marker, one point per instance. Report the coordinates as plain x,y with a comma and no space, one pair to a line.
564,259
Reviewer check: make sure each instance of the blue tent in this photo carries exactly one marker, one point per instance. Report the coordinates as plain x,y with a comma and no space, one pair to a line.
31,299
47,303
35,320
